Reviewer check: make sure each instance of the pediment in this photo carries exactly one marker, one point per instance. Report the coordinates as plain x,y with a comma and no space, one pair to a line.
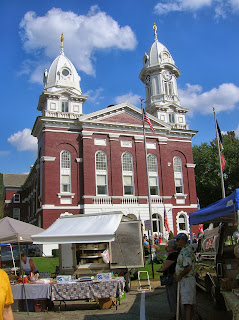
61,92
123,114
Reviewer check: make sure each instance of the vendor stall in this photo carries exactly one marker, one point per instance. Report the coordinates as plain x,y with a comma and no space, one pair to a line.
217,254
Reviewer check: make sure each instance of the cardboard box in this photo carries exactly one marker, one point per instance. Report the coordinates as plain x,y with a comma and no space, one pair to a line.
104,276
40,305
229,284
107,303
63,279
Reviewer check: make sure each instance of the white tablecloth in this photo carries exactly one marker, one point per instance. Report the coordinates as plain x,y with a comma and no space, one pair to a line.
33,291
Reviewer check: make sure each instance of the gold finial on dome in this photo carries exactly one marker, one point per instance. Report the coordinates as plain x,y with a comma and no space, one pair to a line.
155,31
62,39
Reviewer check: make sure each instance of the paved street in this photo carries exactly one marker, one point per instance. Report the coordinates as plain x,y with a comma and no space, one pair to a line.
143,306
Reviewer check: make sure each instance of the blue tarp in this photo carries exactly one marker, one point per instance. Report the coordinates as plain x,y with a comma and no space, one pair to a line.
216,211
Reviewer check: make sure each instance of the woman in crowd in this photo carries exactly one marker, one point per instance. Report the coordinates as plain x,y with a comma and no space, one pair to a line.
168,268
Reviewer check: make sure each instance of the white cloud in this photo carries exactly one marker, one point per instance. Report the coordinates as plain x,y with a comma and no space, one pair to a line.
95,96
221,8
234,4
129,97
84,34
223,98
237,132
181,5
23,140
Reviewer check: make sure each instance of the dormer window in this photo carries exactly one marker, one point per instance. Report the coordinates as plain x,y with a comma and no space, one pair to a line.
64,106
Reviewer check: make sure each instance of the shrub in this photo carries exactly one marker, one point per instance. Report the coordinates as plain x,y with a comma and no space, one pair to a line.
171,235
55,252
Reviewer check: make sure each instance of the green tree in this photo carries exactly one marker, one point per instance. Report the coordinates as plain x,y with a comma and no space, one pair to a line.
207,170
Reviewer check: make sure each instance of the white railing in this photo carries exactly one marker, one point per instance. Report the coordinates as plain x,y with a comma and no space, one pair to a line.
156,199
180,126
63,115
102,200
129,200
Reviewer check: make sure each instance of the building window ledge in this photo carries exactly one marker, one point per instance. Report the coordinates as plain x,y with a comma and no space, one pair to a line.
65,194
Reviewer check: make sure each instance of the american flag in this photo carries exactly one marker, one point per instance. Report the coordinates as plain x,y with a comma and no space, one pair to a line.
223,160
146,119
166,221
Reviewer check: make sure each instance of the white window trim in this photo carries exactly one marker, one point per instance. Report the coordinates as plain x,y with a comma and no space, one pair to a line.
175,173
128,173
14,198
101,172
186,231
158,218
65,171
153,174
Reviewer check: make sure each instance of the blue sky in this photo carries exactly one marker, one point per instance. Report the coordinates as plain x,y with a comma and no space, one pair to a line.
106,41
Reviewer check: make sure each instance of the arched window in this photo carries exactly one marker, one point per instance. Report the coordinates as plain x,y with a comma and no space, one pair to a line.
128,173
182,221
153,174
178,174
101,173
157,223
65,171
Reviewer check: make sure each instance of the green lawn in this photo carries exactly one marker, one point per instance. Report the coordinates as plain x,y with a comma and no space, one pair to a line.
148,267
45,264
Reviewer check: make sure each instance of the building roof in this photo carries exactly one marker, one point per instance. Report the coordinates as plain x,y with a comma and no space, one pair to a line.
14,180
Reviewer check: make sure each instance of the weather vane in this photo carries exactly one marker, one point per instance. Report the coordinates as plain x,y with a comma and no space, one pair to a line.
155,31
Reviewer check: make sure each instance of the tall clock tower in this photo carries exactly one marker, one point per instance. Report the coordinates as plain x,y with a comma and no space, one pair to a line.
159,74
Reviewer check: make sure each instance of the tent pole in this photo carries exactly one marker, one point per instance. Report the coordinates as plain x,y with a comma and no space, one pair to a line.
24,289
13,260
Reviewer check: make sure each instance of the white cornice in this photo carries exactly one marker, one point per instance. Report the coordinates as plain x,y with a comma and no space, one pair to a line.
47,158
190,165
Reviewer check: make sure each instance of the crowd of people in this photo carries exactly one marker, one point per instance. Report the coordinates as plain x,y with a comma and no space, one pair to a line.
178,270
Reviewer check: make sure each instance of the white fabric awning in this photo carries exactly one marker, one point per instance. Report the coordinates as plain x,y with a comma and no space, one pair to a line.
84,228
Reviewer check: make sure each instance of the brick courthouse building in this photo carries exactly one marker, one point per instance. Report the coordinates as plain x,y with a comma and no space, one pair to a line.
95,162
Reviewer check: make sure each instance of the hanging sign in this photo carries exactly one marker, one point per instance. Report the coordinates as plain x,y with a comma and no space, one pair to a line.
147,225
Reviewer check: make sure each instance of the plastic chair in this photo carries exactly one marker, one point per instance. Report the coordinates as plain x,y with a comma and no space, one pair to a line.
143,286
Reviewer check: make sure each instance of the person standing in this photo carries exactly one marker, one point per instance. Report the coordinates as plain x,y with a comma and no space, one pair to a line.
6,298
185,275
28,265
168,268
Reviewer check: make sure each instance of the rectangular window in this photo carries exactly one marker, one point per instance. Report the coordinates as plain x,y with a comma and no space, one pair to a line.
171,118
16,213
128,185
153,182
64,106
16,198
179,185
101,184
65,183
168,88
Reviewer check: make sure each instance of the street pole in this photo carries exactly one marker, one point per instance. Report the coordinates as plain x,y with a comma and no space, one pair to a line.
151,239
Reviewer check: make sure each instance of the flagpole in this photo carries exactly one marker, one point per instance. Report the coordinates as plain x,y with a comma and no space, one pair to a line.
219,154
149,196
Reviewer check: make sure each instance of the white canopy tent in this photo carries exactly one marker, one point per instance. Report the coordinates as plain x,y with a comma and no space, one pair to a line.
84,228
